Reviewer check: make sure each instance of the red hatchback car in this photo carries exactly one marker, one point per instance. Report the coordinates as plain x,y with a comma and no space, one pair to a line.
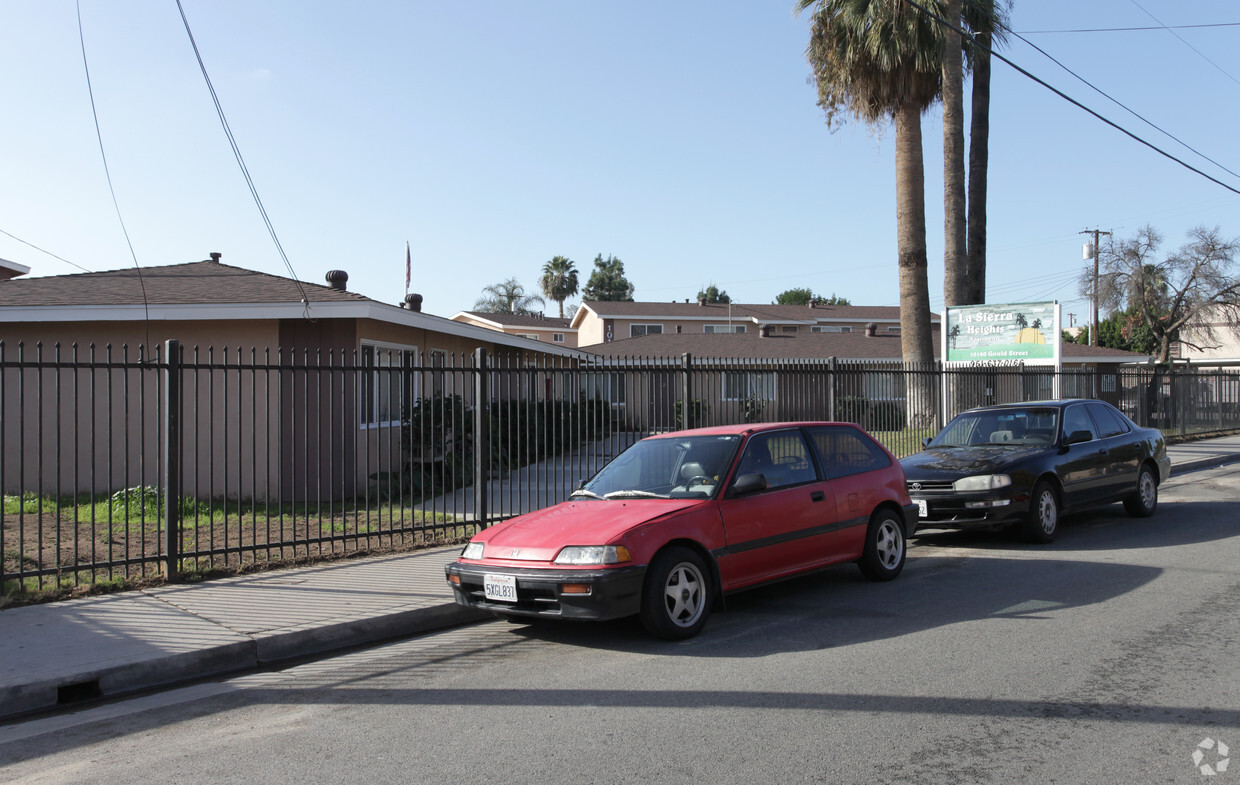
678,519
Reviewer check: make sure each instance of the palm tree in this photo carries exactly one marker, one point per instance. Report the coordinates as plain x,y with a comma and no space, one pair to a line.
559,280
507,297
880,60
987,20
955,250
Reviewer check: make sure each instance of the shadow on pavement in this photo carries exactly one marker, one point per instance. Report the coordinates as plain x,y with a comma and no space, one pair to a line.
1110,528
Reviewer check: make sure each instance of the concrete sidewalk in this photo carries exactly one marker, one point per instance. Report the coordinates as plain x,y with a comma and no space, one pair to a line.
60,653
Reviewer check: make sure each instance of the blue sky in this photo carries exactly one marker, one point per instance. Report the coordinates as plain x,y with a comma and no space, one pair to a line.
682,138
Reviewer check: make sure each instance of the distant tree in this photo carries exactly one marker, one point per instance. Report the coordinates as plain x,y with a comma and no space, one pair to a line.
607,282
507,297
803,297
559,280
713,295
1187,297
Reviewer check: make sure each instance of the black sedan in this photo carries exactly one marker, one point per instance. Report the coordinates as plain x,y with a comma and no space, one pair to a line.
1021,465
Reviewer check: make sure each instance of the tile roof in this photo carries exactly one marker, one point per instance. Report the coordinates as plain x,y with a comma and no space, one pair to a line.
195,283
519,320
802,346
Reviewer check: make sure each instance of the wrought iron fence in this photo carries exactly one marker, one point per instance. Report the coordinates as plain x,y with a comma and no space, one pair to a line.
120,464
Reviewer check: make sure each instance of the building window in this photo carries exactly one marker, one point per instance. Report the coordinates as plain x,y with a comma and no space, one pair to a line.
883,386
531,336
604,386
724,328
893,328
645,329
388,383
746,385
557,337
830,328
788,328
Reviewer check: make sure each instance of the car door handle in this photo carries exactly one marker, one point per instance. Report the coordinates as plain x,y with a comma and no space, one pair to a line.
817,496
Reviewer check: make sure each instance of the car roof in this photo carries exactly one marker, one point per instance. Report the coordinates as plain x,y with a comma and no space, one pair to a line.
746,428
1057,403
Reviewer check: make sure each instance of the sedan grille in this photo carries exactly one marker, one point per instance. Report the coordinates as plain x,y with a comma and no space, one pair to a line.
929,487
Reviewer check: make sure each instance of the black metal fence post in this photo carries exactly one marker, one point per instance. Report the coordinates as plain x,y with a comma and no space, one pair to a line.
688,415
832,369
172,458
482,442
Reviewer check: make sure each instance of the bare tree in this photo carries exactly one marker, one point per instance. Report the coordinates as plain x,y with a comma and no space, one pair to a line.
1185,298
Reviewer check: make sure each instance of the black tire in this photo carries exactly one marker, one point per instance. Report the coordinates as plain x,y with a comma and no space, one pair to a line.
885,547
677,595
1143,502
1043,521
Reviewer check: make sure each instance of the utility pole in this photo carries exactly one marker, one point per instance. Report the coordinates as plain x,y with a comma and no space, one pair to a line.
1091,252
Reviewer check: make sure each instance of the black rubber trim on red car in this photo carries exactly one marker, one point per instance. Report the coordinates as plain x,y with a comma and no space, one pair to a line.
780,539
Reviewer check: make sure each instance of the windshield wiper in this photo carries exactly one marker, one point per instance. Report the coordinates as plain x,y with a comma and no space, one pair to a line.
634,495
584,492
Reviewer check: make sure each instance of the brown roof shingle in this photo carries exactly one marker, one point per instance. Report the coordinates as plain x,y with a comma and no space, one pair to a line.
762,313
521,320
800,346
195,283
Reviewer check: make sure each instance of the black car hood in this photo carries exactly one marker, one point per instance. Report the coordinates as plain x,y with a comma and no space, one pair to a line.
950,463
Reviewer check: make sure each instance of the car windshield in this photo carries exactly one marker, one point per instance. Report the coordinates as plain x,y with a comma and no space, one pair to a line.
1028,426
687,467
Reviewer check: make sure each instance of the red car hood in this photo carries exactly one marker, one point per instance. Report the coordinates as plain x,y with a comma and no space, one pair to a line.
539,535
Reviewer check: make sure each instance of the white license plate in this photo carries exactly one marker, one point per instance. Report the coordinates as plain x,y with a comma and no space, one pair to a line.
923,510
500,588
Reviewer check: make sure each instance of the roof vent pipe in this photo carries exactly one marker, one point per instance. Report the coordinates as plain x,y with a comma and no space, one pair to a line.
338,279
215,256
871,330
413,302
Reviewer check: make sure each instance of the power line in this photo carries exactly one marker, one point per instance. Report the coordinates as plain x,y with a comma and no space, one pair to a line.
1186,43
1065,96
245,172
1102,93
42,250
146,309
1130,29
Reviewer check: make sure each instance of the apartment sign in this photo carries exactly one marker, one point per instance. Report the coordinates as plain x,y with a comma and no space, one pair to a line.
1003,335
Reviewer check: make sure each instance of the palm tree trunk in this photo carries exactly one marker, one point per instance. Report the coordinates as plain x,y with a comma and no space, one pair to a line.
915,341
979,159
955,254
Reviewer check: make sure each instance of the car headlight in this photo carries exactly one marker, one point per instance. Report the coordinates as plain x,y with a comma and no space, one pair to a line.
472,551
593,554
982,482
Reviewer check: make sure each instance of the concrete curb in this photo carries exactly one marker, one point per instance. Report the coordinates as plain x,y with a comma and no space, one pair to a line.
1203,463
247,653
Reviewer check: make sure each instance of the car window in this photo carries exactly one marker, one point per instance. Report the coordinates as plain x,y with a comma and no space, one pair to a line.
1109,421
663,466
1075,418
1015,426
780,456
847,451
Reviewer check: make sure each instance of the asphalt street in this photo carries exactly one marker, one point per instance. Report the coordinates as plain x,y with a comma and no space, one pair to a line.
1109,656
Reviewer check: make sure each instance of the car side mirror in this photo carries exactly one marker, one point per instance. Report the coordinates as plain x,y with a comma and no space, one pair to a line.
749,483
925,442
1076,437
